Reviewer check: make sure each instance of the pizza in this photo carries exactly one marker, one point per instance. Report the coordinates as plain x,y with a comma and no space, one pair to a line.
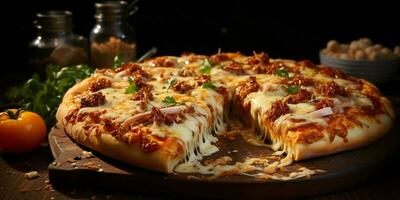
166,113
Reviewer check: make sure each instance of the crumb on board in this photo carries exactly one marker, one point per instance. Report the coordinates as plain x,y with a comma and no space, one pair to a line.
31,175
87,154
91,165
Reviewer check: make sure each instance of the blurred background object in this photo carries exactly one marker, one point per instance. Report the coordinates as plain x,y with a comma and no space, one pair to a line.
286,29
55,43
112,35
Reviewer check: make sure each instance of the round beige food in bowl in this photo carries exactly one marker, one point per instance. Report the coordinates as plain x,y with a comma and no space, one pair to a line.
361,58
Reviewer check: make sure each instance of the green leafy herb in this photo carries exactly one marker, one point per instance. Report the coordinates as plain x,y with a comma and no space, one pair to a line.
169,100
117,61
132,88
282,73
209,85
206,67
291,89
171,82
44,96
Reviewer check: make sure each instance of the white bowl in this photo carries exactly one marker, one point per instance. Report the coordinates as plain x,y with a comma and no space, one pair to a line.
375,71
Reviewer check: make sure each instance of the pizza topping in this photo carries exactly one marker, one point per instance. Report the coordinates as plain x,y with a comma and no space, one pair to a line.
246,87
163,61
186,72
282,73
300,80
322,103
206,68
332,72
142,135
300,97
306,63
169,100
92,99
143,94
309,133
261,58
330,89
218,58
200,80
321,112
273,67
209,85
99,84
278,109
181,87
234,67
132,88
156,114
131,69
291,89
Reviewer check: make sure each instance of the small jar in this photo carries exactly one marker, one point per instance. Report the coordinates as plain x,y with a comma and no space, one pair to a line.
55,43
112,35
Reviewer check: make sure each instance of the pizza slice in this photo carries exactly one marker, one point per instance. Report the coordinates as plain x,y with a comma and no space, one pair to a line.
137,118
311,112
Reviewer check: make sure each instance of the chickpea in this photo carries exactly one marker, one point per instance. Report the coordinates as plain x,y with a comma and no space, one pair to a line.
377,46
354,45
360,55
365,41
333,46
369,50
344,56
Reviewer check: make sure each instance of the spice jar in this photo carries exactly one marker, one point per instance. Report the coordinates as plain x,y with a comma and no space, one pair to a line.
55,43
112,35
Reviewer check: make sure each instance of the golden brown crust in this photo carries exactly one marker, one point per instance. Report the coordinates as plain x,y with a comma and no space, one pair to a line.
163,159
356,137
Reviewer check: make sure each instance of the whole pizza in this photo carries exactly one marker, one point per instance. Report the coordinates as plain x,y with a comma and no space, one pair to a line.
166,113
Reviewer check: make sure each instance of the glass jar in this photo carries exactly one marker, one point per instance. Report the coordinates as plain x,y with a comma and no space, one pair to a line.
55,43
112,35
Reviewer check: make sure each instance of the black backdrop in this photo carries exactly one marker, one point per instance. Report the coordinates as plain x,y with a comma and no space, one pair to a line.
282,28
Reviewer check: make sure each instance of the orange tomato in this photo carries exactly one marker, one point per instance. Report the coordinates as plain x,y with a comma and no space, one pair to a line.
21,131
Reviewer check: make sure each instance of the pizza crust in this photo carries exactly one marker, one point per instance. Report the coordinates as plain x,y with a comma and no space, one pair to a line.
356,137
163,159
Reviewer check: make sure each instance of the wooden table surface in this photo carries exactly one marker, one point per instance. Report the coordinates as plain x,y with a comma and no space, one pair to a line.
384,184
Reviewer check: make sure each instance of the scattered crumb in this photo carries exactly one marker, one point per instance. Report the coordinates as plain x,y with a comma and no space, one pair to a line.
73,164
86,154
13,173
46,181
52,198
100,170
39,189
31,175
77,158
91,165
71,160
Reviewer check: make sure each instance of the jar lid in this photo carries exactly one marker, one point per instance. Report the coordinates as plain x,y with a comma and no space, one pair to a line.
111,9
54,20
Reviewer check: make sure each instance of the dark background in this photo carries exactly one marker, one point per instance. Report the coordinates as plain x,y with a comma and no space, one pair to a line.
285,29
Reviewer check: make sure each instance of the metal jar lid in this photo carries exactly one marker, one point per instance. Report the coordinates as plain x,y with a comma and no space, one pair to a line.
111,10
54,21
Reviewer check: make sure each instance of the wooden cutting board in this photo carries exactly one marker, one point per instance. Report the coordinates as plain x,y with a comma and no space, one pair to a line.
342,170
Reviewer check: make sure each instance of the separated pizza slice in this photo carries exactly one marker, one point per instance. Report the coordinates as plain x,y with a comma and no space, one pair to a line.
310,116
